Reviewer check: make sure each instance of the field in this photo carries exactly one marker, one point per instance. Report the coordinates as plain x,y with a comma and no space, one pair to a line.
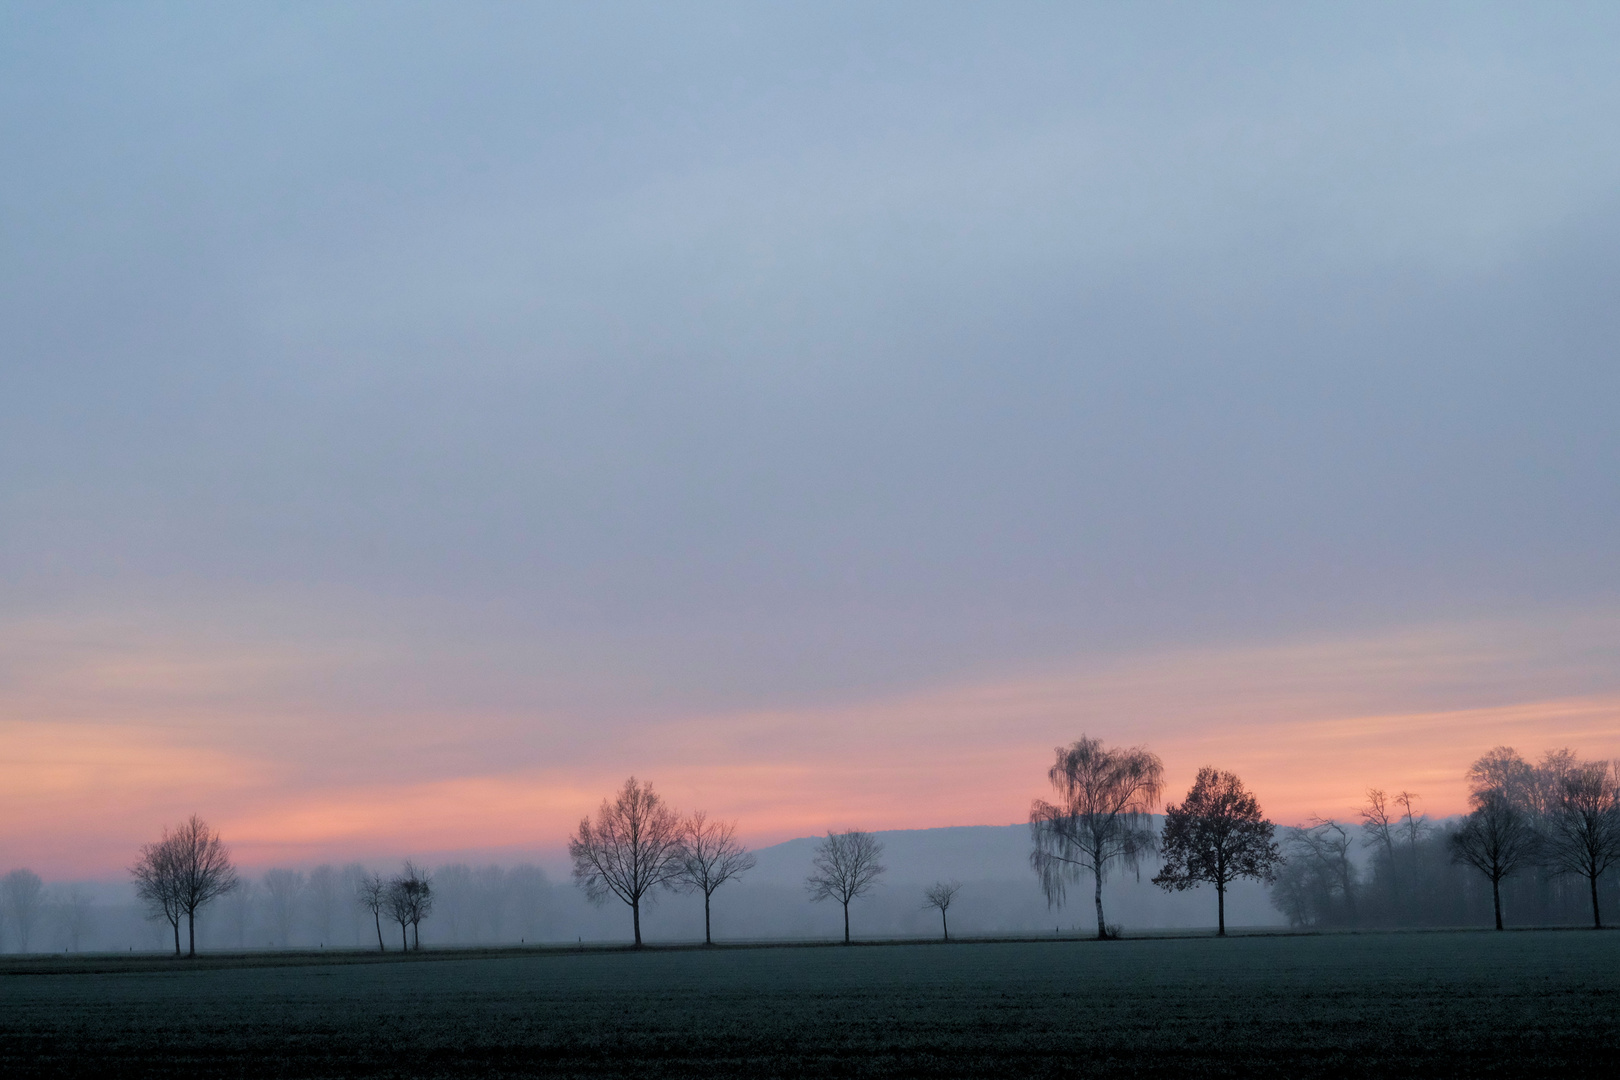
1435,1005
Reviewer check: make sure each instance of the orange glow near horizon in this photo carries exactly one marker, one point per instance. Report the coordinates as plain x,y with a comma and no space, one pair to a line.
1308,727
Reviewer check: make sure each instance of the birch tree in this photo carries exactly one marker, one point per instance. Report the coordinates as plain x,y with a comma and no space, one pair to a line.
1102,816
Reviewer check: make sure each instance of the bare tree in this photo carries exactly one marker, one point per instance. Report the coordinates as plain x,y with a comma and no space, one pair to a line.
632,848
282,890
23,895
398,906
1326,844
203,870
939,896
414,886
1496,839
157,884
1377,824
710,856
846,866
1106,799
1503,771
1583,830
1216,835
371,893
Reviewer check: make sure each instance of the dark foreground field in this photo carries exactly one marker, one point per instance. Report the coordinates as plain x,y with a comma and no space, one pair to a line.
1431,1005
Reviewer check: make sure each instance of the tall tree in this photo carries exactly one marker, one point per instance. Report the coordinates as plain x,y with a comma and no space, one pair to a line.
939,897
23,894
1378,826
1583,829
710,856
371,893
1217,835
157,883
203,869
1103,815
632,848
846,866
1496,839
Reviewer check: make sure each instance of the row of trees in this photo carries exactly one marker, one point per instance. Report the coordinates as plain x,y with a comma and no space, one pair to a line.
1560,818
637,844
1540,839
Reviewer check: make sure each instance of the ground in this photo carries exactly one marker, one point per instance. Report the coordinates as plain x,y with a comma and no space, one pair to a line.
1419,1004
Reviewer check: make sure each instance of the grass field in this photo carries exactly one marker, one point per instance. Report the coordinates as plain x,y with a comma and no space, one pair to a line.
1432,1005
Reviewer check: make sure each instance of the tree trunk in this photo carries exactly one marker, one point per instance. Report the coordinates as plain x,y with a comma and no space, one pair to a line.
416,933
377,916
1102,928
191,932
846,922
1597,920
1220,908
1496,897
635,915
404,942
176,925
707,939
944,924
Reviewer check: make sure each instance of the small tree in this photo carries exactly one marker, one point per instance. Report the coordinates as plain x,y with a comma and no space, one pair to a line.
632,848
1216,835
1496,839
416,886
710,856
371,893
23,894
203,870
1583,830
939,896
398,906
1106,799
846,866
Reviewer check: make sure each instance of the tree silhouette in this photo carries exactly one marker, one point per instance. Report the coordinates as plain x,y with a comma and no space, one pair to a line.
371,893
1106,799
633,847
1496,839
709,857
181,873
1216,835
1583,830
846,866
939,896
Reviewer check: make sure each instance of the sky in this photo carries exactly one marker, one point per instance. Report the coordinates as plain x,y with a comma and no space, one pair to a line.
415,419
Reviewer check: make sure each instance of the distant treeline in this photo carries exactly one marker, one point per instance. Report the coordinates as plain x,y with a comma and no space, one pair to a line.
1538,848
